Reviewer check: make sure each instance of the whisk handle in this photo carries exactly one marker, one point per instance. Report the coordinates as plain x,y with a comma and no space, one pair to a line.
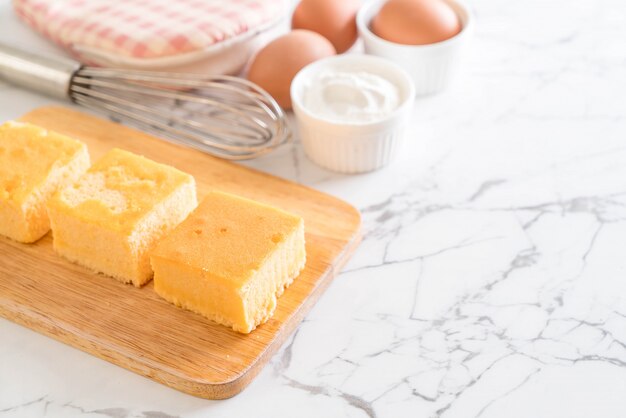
51,76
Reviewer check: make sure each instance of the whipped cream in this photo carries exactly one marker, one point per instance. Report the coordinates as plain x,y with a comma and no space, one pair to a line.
350,97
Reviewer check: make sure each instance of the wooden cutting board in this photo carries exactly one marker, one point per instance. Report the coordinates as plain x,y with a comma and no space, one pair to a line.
136,329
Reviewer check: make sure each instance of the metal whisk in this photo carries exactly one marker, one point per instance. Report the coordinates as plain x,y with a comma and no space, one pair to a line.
225,116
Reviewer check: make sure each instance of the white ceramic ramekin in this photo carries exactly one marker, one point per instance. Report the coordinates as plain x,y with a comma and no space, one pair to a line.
432,66
353,147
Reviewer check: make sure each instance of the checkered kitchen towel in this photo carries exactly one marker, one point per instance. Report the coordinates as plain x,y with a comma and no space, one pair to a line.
146,28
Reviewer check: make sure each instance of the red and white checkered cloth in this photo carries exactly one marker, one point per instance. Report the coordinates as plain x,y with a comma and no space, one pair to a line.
146,28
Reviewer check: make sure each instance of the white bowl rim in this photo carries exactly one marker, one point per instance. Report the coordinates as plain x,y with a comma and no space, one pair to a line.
301,77
104,57
467,26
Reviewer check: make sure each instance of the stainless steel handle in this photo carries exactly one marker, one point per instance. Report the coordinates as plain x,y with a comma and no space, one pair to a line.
51,76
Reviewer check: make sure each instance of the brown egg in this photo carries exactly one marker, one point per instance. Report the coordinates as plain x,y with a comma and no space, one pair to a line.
274,67
333,19
416,22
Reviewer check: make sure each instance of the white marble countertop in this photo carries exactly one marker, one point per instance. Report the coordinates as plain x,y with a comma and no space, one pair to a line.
491,278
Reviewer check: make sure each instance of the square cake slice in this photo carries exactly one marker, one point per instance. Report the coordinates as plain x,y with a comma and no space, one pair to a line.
230,260
112,217
34,163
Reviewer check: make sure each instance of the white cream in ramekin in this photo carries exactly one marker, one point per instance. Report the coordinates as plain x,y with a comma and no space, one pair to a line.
346,96
352,124
431,66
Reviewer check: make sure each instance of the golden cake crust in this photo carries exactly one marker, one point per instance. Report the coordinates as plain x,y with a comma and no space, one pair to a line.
113,216
34,163
119,190
230,260
28,154
230,234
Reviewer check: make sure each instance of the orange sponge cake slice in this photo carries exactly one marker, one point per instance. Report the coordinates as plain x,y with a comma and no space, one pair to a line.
34,163
230,260
115,213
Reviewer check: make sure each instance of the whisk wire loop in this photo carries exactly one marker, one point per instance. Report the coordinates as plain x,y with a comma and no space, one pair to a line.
222,115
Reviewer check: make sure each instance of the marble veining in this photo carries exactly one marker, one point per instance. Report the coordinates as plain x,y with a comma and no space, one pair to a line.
490,281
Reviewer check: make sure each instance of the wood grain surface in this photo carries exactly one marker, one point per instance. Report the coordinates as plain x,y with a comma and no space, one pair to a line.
136,329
